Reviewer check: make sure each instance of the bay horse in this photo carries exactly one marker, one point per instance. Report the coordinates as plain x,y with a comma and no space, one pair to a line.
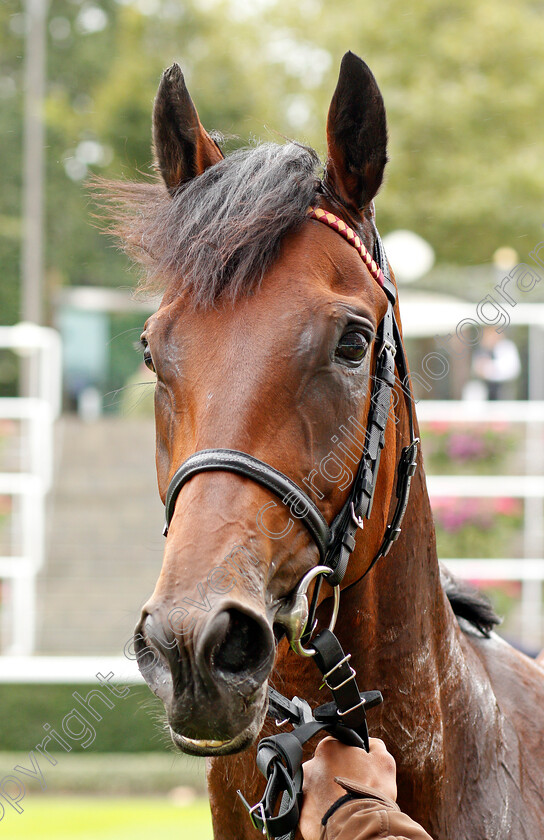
264,343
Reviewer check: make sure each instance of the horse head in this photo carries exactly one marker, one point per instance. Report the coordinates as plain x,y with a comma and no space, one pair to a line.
264,344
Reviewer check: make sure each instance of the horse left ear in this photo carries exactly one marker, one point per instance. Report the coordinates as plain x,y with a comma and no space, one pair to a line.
183,148
356,135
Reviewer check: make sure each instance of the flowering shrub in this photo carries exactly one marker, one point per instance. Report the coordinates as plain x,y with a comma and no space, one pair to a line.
8,433
469,448
478,527
6,430
5,510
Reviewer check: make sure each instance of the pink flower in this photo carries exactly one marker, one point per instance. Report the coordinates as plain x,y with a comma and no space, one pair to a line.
465,447
507,506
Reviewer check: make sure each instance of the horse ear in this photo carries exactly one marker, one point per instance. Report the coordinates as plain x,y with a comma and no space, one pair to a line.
356,135
182,146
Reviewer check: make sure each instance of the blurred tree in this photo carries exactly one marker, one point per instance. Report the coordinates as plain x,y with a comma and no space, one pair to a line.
461,79
463,87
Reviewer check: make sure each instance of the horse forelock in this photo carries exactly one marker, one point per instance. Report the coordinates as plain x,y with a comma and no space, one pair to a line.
222,230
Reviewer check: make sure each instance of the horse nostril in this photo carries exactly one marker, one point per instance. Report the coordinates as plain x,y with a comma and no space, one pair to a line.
241,643
154,657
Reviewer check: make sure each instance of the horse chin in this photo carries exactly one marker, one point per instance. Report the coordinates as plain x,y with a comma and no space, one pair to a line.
191,746
211,747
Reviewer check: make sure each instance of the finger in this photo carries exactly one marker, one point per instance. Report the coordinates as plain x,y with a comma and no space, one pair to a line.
376,745
308,774
325,743
381,753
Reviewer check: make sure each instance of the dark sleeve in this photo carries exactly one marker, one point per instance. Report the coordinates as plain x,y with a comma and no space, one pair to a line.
372,817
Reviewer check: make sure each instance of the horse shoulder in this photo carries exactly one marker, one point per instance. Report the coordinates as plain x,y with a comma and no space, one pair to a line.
517,683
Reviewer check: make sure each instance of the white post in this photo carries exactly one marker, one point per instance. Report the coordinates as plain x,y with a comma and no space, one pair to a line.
533,523
23,605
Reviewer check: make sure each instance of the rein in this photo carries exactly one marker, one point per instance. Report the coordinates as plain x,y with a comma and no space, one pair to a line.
279,757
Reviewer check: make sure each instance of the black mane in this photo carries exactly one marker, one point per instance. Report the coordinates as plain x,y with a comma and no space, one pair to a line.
222,230
469,604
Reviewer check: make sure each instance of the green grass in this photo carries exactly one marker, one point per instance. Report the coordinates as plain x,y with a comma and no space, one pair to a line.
110,774
90,818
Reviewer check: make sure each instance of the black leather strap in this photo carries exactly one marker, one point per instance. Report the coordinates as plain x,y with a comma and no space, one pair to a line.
279,758
358,505
231,460
340,678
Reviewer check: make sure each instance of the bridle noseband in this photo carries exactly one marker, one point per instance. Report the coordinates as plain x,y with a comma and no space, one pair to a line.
335,542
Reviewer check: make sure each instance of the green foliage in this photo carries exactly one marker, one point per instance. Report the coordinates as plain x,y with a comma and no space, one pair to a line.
135,724
478,527
462,83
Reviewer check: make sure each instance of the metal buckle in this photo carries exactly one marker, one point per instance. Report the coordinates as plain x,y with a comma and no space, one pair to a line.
294,616
352,676
346,681
358,706
346,658
357,520
387,344
259,807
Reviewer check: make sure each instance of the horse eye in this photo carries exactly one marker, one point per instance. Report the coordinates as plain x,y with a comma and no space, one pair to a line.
352,347
148,361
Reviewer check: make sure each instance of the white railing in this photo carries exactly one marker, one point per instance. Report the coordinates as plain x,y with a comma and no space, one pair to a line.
67,669
529,570
42,347
28,487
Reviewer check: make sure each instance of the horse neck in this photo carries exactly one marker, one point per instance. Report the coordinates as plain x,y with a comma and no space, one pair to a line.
402,599
405,641
402,596
400,609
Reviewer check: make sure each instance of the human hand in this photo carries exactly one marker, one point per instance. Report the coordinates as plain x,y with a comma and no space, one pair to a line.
375,769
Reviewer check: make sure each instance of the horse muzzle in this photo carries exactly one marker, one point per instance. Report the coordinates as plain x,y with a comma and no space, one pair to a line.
212,681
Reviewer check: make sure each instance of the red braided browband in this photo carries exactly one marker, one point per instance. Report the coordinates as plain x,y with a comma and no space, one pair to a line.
336,223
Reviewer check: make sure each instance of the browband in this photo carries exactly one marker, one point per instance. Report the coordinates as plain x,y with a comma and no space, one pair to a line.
339,225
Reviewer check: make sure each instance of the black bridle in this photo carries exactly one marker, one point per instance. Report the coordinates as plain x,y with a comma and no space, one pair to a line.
335,542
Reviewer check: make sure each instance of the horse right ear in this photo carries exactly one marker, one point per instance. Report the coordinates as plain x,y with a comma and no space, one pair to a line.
356,135
183,148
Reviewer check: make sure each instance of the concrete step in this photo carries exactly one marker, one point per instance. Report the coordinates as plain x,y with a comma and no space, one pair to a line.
104,545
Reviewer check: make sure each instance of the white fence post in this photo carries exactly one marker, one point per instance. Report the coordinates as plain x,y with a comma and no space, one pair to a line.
28,488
